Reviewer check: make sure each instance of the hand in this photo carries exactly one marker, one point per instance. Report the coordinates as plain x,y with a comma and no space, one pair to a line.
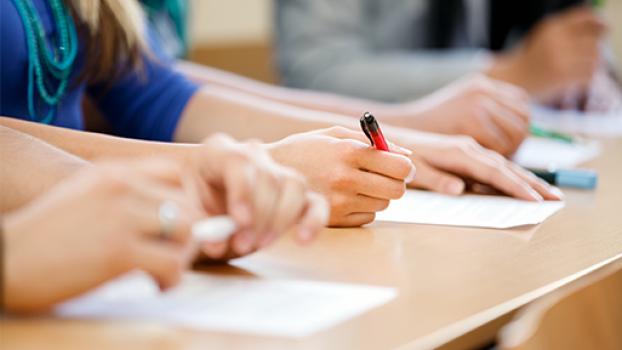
494,113
562,51
96,225
264,198
445,163
604,93
357,179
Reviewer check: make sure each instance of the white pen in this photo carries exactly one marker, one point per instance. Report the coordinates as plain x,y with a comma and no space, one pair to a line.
213,229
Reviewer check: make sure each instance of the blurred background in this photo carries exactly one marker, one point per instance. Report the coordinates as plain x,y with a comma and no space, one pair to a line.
236,35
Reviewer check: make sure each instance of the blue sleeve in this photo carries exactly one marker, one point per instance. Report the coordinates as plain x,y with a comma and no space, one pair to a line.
145,104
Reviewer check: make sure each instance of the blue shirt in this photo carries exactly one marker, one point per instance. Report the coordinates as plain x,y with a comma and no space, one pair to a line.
144,105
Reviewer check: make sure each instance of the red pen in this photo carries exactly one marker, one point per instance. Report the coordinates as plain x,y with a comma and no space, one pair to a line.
372,131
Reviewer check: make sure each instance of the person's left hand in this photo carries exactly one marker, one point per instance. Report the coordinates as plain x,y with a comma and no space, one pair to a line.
265,199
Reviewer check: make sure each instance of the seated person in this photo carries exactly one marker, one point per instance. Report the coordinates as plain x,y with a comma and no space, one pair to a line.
401,50
494,113
99,221
102,54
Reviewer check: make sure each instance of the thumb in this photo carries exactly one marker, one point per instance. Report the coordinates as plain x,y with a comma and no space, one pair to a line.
432,179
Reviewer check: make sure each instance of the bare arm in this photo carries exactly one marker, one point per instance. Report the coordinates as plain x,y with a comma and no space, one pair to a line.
319,101
244,116
30,167
91,146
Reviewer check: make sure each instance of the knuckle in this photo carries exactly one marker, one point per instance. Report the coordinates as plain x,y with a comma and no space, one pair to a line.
466,144
341,179
349,149
365,219
337,130
110,179
338,204
383,205
397,191
403,167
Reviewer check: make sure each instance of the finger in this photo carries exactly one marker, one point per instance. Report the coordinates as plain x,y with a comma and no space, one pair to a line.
265,198
244,241
494,171
365,204
215,250
288,209
489,135
517,102
511,92
345,133
165,262
314,217
547,191
507,120
356,219
147,222
377,186
392,165
239,179
433,179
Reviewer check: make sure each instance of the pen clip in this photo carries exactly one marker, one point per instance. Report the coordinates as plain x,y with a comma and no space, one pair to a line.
366,130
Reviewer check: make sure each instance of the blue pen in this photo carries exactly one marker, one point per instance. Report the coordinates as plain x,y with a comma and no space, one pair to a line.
576,178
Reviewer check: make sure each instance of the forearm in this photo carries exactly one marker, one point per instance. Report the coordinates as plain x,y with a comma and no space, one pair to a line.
250,117
319,101
30,167
245,116
91,146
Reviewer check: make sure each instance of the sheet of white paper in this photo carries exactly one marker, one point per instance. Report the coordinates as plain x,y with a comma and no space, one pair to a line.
537,152
285,308
421,207
573,122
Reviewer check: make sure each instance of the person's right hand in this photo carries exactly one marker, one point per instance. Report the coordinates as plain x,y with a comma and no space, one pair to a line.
561,52
493,112
96,225
357,179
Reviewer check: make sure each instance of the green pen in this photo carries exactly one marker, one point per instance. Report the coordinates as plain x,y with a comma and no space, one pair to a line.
549,134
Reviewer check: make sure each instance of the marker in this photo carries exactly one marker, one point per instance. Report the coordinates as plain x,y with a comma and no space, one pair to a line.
214,229
372,131
549,134
576,178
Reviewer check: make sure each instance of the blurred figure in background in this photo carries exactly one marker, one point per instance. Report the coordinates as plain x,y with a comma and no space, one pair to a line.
493,112
403,49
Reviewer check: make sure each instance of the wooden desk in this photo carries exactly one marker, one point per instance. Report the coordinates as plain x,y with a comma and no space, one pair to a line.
451,280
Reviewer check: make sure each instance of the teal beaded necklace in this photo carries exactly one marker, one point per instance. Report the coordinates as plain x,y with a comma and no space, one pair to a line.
49,65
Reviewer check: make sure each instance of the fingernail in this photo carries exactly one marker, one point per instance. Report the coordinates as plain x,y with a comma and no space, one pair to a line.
411,175
454,187
557,192
403,150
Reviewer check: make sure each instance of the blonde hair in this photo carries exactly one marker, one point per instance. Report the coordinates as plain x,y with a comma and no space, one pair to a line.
114,34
